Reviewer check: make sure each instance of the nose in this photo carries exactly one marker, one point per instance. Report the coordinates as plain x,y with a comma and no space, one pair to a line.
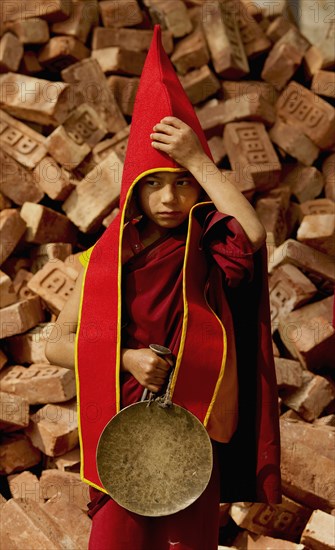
168,194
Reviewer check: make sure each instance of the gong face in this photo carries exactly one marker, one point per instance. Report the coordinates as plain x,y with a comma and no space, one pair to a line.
154,461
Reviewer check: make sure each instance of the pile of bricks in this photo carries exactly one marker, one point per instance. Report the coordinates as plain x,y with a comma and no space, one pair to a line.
264,93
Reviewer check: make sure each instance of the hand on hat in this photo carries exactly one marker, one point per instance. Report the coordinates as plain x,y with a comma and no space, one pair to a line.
175,138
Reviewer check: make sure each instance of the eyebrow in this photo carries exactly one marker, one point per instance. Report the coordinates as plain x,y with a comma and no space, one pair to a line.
185,174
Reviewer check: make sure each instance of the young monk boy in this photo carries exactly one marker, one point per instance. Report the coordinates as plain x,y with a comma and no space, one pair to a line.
183,265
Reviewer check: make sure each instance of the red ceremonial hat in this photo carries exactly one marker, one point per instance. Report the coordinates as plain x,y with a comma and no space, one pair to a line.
97,350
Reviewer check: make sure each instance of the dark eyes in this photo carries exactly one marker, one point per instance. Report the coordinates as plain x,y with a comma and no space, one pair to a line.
156,183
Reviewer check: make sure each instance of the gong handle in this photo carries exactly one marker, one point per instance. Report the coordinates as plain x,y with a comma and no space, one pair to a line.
161,351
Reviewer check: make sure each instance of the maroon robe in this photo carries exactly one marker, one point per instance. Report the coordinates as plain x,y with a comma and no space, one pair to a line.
153,314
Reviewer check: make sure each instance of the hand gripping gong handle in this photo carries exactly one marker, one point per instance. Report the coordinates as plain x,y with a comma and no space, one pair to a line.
161,351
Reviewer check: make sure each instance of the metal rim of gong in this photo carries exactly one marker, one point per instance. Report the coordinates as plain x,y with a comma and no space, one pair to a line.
154,461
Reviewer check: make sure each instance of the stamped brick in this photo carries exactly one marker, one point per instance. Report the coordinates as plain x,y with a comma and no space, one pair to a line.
36,99
39,383
309,335
21,142
199,84
84,125
287,519
133,39
83,16
95,196
318,231
53,179
251,153
12,228
319,531
65,150
90,83
54,283
224,41
57,484
124,90
318,267
120,60
17,454
45,225
31,31
11,51
171,15
190,52
315,118
14,411
54,428
10,173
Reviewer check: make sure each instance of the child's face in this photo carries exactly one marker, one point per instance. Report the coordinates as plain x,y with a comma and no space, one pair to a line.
166,198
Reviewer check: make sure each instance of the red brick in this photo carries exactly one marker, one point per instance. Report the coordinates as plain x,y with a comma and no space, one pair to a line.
14,411
124,90
7,292
53,179
71,519
200,84
3,359
261,542
11,52
54,284
17,453
313,61
29,63
224,41
49,102
171,15
12,172
12,228
25,486
294,142
89,81
133,39
21,142
251,153
318,437
254,40
315,118
281,520
253,89
83,16
318,231
271,213
68,462
319,531
217,148
54,483
31,31
190,52
62,51
20,282
306,182
84,125
328,170
313,396
288,373
212,117
45,225
21,316
278,27
58,10
118,14
120,60
29,347
54,428
39,383
65,150
323,83
244,108
49,252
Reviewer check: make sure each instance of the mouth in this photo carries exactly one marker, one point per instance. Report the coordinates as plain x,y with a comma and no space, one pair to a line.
167,214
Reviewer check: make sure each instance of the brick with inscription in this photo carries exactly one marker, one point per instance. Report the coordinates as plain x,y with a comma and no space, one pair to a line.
307,476
289,288
124,90
55,483
11,51
12,172
284,58
39,383
29,63
251,153
65,150
95,196
28,524
171,15
21,142
72,520
323,83
36,99
54,284
313,396
54,428
29,347
318,231
7,292
328,171
253,89
254,39
12,228
17,453
190,52
53,179
31,31
320,531
57,10
25,486
90,82
84,125
199,84
133,39
120,60
62,51
45,225
318,267
288,373
315,119
14,411
83,16
224,41
286,519
308,334
271,213
306,182
120,14
294,142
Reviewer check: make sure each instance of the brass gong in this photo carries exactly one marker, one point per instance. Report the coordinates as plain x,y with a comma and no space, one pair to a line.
154,460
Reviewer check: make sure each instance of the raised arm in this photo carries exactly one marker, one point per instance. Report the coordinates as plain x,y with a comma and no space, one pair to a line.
180,142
